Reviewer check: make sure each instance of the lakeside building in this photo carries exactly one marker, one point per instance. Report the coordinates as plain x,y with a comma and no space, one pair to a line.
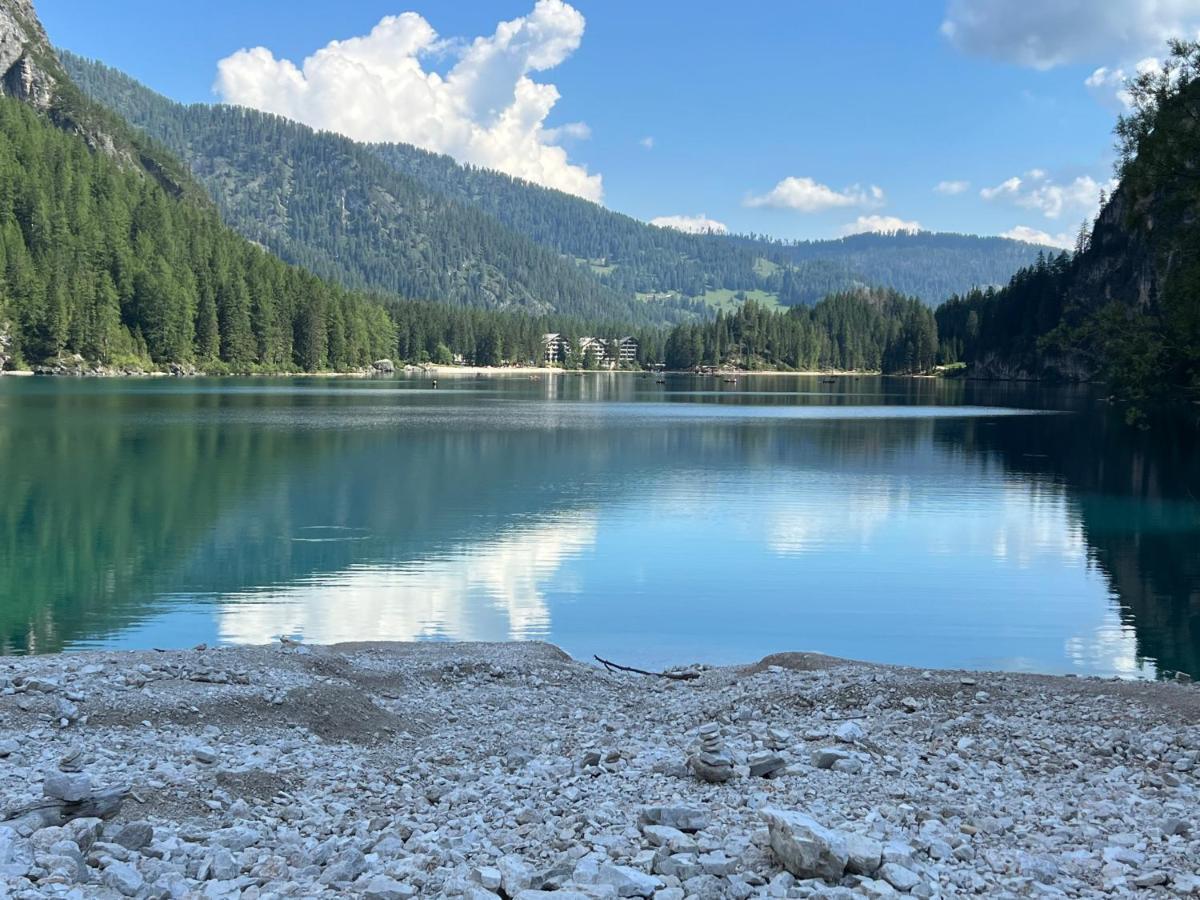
606,352
594,350
557,348
625,350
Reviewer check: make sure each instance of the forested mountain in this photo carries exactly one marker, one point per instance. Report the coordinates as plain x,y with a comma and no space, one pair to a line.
866,331
332,205
380,215
1126,308
98,259
109,250
650,260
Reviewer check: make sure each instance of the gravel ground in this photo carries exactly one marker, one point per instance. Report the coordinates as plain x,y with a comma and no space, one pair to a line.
510,770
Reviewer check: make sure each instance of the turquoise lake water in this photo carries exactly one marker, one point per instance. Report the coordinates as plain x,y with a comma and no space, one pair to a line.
923,522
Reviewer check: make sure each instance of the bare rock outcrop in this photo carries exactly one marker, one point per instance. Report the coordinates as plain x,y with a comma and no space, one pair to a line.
24,54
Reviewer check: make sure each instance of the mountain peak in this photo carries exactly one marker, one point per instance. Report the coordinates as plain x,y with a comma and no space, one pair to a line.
27,62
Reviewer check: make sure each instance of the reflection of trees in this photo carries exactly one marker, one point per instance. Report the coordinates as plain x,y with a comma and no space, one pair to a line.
111,500
1135,493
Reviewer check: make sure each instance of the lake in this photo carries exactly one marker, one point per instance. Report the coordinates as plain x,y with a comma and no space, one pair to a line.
927,522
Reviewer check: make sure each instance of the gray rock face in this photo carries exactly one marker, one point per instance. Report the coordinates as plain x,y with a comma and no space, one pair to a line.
220,866
806,848
66,364
6,357
21,39
849,732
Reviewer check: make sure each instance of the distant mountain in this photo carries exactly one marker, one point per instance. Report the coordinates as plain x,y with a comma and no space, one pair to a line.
332,205
638,257
396,218
1126,309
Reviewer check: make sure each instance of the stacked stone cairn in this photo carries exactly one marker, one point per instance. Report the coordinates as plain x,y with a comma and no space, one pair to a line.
712,763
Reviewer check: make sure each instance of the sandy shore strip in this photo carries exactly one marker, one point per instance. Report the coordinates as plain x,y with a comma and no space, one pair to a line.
511,770
441,371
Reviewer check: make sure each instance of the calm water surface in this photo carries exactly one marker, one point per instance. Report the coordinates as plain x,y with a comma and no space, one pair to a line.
910,521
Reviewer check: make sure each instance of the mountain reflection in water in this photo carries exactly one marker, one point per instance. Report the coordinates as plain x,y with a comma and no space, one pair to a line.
913,521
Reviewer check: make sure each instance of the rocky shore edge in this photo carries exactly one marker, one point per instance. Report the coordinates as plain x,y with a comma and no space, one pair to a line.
75,366
512,771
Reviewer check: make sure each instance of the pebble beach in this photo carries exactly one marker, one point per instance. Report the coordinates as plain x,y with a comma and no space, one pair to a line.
513,771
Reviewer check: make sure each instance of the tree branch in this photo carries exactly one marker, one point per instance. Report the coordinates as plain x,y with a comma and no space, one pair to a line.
674,676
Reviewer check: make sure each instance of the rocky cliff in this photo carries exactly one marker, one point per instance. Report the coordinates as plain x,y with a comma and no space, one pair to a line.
1125,309
28,68
30,71
1133,249
1133,299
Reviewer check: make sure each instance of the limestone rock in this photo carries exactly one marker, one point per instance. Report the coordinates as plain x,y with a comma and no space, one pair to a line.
765,764
67,786
685,818
806,848
135,835
897,876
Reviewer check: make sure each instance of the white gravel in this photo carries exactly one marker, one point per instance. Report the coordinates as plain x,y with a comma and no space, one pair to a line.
485,770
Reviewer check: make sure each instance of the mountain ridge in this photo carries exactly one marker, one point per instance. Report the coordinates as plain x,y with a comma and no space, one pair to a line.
676,276
323,201
833,265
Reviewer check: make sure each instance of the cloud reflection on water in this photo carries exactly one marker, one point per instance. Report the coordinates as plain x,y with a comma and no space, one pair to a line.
489,591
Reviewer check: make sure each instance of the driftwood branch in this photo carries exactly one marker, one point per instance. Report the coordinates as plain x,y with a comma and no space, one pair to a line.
102,804
674,676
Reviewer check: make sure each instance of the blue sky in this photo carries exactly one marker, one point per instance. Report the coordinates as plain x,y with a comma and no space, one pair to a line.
800,120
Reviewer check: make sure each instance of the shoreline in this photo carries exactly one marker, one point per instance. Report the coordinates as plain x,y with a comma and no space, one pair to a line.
505,770
448,371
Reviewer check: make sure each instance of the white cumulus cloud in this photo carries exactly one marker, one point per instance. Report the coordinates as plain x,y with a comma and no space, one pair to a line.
1008,186
807,195
486,110
1056,32
950,188
881,225
700,224
647,142
1037,191
1029,235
